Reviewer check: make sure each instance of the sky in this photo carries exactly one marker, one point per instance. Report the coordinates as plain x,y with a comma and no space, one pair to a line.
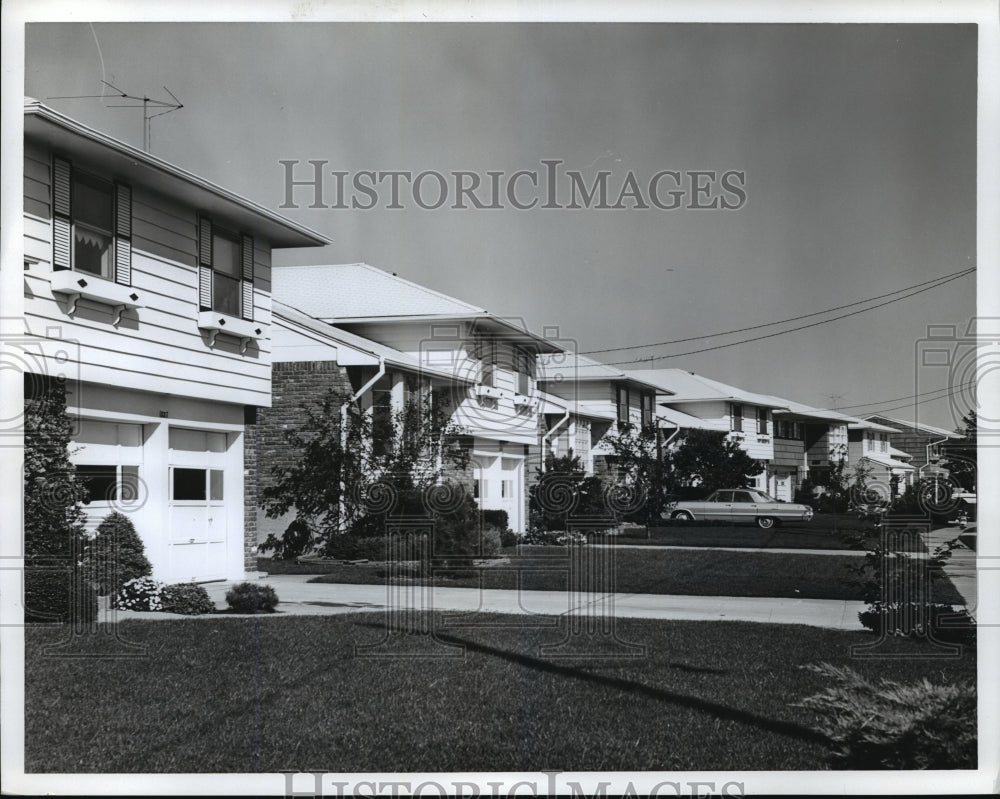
857,146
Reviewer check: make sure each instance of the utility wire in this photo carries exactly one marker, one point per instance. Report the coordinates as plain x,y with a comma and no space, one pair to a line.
960,273
946,392
791,329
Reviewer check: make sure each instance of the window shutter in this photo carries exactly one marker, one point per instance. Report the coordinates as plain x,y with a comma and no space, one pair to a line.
246,256
123,234
62,172
205,263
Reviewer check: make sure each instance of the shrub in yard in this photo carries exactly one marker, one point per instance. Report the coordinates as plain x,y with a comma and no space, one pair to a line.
116,554
295,541
508,538
140,593
891,725
55,590
936,620
56,594
553,538
252,598
189,599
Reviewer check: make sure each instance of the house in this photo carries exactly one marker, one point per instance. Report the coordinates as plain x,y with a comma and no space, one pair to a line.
746,417
600,399
492,361
868,445
922,444
158,283
312,358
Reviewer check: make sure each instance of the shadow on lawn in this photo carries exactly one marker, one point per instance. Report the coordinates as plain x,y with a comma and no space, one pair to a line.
723,712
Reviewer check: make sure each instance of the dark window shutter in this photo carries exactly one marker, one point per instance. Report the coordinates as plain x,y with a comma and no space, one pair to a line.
204,263
246,257
123,234
62,233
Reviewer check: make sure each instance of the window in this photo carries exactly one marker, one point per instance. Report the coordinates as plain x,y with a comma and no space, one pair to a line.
91,223
646,403
488,357
762,421
196,485
737,413
225,270
506,489
382,429
742,496
100,482
723,496
622,403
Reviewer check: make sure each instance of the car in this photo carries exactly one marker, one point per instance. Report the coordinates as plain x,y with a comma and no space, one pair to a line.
741,505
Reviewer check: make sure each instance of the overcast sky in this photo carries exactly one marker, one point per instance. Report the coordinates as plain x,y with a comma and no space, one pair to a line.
857,142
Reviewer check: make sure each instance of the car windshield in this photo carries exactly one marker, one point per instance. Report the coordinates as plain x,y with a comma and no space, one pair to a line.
760,496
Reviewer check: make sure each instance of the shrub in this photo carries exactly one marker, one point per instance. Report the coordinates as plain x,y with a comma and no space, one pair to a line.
495,518
892,725
508,538
189,599
935,620
116,554
294,541
140,593
58,595
252,598
553,538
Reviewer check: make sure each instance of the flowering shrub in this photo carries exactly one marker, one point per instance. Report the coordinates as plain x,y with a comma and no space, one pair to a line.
553,538
251,598
187,598
140,593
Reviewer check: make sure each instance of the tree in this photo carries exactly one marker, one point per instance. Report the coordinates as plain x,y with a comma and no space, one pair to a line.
641,480
959,457
711,460
116,555
55,589
355,471
563,491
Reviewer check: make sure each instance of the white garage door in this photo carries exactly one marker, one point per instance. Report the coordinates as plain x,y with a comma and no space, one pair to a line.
499,486
197,504
784,486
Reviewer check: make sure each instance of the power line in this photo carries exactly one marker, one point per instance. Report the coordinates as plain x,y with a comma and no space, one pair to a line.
946,392
960,273
791,329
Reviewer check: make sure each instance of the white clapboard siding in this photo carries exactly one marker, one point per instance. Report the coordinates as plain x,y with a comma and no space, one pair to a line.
159,346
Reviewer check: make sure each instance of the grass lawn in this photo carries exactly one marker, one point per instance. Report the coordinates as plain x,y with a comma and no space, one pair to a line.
651,571
271,694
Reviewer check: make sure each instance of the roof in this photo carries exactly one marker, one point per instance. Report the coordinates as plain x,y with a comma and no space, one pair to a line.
898,454
345,292
683,420
864,424
553,404
390,355
125,162
569,366
890,462
926,428
687,386
793,408
357,294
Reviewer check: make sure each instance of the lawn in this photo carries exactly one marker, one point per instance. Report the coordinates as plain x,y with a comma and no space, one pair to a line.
825,531
271,694
647,570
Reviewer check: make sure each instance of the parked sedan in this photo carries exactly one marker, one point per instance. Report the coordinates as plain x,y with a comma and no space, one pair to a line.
741,505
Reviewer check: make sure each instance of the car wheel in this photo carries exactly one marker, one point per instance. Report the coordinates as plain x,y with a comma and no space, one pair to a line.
682,516
766,522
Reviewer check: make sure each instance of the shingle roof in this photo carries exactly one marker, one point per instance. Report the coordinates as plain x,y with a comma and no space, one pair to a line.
689,387
343,292
927,428
568,366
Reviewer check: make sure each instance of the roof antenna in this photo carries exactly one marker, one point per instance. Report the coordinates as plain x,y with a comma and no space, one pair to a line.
151,107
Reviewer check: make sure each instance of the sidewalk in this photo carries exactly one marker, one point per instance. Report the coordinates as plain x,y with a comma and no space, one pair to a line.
299,597
960,568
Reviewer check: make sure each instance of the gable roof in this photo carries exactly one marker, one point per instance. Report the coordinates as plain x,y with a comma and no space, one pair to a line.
353,292
926,428
690,387
569,366
64,134
393,357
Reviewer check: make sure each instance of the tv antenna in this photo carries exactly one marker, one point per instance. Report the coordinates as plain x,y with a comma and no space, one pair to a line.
151,107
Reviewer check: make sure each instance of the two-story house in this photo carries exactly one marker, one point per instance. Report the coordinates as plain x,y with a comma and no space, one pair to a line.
158,283
869,446
919,444
601,399
746,417
491,361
